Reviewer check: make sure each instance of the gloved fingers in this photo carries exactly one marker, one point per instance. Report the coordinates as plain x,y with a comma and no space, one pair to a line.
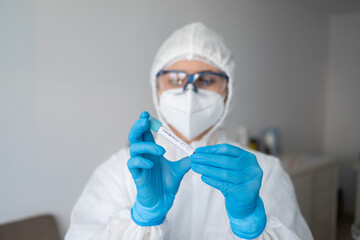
220,161
248,190
148,137
226,175
140,131
223,161
140,148
221,149
229,150
139,162
224,187
254,183
138,168
246,194
180,167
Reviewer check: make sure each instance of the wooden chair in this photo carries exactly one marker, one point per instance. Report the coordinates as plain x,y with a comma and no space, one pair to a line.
42,227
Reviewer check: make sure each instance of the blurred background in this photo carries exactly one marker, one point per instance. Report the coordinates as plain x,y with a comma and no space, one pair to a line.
74,76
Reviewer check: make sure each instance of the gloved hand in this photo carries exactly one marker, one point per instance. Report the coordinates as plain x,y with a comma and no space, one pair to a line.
237,174
157,180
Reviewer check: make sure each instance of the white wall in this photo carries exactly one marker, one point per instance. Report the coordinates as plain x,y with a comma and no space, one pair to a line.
20,169
74,77
342,125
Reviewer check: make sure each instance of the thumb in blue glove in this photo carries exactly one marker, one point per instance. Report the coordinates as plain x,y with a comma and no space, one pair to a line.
157,180
237,174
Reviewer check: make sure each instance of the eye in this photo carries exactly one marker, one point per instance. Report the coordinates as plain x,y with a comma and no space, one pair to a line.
206,80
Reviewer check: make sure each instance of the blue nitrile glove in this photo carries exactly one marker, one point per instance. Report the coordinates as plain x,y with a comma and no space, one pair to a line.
237,174
157,180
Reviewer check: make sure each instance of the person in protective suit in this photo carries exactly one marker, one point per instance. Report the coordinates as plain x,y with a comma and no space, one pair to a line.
222,191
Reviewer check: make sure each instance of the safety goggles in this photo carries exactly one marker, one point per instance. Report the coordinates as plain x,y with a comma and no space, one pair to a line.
170,79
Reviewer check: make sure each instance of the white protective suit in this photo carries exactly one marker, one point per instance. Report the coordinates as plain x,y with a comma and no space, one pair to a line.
103,210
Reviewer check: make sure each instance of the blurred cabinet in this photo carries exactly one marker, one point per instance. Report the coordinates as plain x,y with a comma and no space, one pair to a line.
315,180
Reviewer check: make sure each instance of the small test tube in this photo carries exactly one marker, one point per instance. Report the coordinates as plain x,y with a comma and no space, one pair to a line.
157,127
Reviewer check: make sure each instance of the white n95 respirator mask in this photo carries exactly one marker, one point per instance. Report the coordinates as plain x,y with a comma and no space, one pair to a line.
189,112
